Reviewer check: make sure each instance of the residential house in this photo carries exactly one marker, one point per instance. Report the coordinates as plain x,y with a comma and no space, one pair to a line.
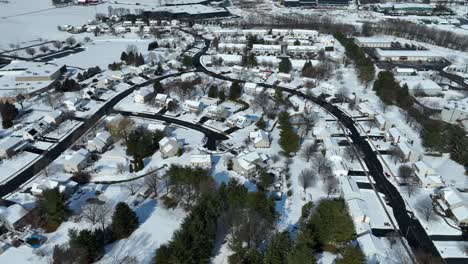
193,106
189,76
247,163
260,139
11,216
35,131
100,142
216,112
169,147
77,161
72,104
382,123
153,127
67,187
427,177
11,146
239,120
408,152
161,100
453,201
250,88
142,96
284,77
456,112
54,118
201,161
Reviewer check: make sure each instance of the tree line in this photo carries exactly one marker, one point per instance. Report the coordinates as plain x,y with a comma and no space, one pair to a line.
436,135
364,64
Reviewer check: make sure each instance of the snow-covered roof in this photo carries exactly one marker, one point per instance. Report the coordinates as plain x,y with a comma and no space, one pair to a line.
14,213
161,97
193,104
200,158
461,213
250,85
453,197
104,136
461,105
259,136
372,247
374,40
407,53
10,142
418,82
78,157
156,126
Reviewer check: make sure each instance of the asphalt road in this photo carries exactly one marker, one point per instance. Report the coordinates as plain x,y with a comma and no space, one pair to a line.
410,228
212,136
11,184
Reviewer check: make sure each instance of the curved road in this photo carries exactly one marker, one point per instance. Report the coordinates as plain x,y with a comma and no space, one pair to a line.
211,136
410,228
15,181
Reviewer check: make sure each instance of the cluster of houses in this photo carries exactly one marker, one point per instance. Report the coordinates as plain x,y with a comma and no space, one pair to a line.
455,204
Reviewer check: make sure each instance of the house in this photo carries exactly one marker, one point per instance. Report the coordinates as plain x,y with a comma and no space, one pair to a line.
398,71
266,49
382,123
456,203
456,112
284,77
54,118
202,161
189,76
408,55
169,147
327,88
142,96
305,33
104,83
408,153
88,93
366,110
35,131
11,146
250,88
216,112
303,49
11,216
239,120
260,139
72,104
299,103
161,100
192,106
373,42
246,163
66,187
100,142
153,127
426,175
321,131
394,135
77,161
418,85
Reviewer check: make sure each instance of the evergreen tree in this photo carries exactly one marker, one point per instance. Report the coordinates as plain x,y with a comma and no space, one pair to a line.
53,207
213,91
187,61
157,87
252,60
124,221
278,249
91,243
289,140
261,124
235,91
301,254
352,255
123,56
9,113
222,95
159,69
285,65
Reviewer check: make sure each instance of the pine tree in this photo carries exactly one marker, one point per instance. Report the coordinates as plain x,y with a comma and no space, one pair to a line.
9,113
53,207
124,221
213,91
352,255
222,95
285,65
235,91
123,56
261,124
157,87
277,251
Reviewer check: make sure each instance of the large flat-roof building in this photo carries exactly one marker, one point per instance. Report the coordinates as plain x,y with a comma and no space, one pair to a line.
456,112
373,42
408,55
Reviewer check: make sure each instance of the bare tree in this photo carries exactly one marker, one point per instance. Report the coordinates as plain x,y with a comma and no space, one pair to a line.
342,94
392,238
412,185
426,208
58,45
405,172
261,101
132,187
90,212
307,178
44,48
309,151
54,99
331,185
349,153
71,41
120,167
30,51
103,214
320,162
152,181
275,158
